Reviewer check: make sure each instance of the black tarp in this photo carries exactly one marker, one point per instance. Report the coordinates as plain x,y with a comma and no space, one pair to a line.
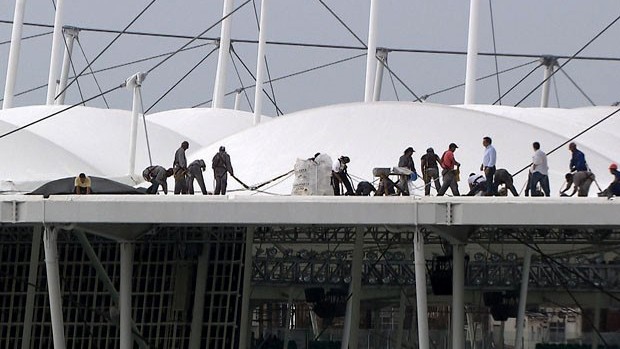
65,186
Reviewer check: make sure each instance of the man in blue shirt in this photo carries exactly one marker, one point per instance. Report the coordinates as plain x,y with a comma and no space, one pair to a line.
614,187
578,159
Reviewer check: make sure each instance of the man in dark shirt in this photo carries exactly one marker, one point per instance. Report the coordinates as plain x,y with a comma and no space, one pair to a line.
405,161
430,170
578,159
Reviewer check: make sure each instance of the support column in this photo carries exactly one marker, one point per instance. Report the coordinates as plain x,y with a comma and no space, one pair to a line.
371,60
53,285
549,62
525,279
382,61
56,52
401,319
33,273
597,319
420,289
458,296
134,83
289,313
352,317
260,63
199,298
238,93
472,53
13,63
71,33
222,61
125,295
244,327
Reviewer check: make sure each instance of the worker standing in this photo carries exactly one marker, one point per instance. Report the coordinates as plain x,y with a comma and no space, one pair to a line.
539,171
339,175
406,161
82,184
179,166
450,170
578,159
157,175
430,170
194,171
488,165
221,167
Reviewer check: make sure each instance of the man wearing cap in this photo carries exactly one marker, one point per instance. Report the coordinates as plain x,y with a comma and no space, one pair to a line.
221,167
450,168
430,170
488,165
406,161
614,187
194,171
339,175
179,167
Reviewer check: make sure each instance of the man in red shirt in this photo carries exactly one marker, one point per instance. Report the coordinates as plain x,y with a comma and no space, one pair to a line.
449,172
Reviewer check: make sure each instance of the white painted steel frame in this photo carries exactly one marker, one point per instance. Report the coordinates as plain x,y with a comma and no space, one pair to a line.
260,62
222,61
56,52
472,53
13,63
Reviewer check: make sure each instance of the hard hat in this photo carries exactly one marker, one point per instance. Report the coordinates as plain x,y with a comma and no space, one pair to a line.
613,166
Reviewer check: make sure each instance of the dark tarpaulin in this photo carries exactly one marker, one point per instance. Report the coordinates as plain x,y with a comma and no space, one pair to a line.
65,186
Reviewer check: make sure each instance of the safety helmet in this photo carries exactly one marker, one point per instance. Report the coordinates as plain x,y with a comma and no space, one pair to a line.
613,166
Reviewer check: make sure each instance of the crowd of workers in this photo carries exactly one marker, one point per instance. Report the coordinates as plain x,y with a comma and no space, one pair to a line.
490,182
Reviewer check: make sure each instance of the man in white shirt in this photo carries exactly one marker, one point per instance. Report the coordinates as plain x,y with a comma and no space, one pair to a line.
477,184
339,175
539,170
488,165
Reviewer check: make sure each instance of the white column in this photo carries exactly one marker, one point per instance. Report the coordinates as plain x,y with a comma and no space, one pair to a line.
260,63
238,93
420,289
352,317
53,286
71,34
371,60
222,61
549,63
55,60
525,279
199,298
134,83
244,327
16,40
33,274
382,60
472,53
125,295
458,296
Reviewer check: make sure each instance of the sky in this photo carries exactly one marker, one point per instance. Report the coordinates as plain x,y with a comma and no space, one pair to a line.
530,27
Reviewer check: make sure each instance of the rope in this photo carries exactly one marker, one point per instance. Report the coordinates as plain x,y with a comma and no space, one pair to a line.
26,37
400,80
499,91
60,111
344,24
573,138
146,133
245,92
555,87
518,83
180,80
64,39
91,72
108,46
570,59
196,37
577,86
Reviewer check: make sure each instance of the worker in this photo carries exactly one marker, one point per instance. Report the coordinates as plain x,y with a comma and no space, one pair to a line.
614,187
82,184
339,175
488,165
386,186
430,170
364,188
406,161
450,171
539,171
179,166
221,167
580,181
157,175
578,159
194,171
502,176
477,184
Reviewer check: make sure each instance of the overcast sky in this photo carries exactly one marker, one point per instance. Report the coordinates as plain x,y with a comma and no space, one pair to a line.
533,27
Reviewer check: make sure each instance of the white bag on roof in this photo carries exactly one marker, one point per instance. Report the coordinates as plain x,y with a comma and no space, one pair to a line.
313,177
